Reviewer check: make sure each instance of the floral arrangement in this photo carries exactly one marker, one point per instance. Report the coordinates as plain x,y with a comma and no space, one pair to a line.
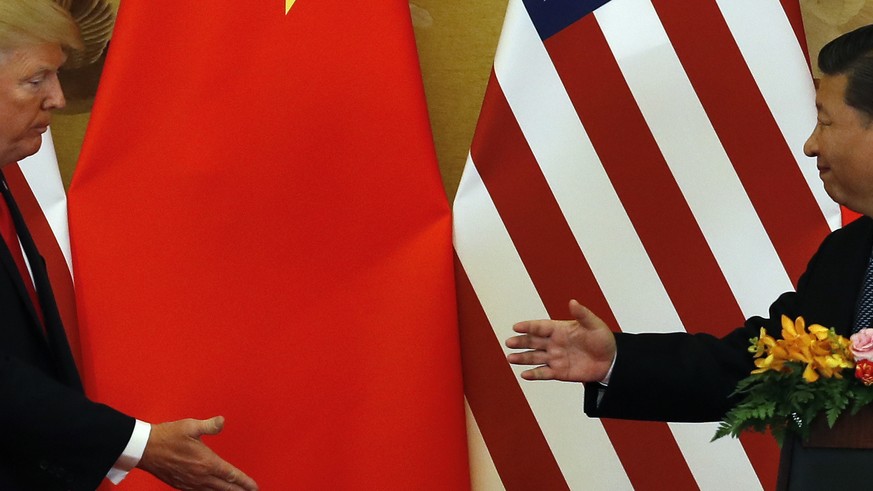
799,377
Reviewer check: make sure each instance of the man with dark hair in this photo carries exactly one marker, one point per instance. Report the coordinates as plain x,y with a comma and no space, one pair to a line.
852,55
701,371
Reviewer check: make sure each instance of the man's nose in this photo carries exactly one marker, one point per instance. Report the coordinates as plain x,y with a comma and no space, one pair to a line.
55,96
810,147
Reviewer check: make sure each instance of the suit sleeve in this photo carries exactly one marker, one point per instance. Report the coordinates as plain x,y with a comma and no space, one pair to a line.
680,376
690,377
62,439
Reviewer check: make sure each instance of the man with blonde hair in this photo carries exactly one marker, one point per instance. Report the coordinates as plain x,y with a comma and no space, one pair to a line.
52,437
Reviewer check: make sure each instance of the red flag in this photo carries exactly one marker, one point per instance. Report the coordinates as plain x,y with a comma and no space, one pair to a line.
259,230
645,158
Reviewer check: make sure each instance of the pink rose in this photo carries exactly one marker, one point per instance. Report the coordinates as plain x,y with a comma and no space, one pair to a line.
862,344
864,372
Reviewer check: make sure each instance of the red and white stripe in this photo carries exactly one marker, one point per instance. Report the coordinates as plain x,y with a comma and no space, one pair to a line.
647,161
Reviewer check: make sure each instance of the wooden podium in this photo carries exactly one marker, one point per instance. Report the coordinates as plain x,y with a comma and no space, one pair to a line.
850,431
833,458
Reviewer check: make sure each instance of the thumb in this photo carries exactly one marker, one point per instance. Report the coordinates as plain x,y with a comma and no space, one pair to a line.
212,426
585,317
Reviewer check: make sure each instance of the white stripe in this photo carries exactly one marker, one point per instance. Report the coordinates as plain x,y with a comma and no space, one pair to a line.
580,444
726,465
598,220
483,473
42,174
587,198
694,153
768,44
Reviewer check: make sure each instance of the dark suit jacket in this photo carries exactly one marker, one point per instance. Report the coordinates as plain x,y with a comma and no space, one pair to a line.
684,377
51,436
705,369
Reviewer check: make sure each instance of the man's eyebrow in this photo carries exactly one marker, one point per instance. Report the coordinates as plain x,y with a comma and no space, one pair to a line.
37,72
42,70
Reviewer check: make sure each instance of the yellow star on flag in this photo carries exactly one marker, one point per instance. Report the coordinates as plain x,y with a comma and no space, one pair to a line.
288,5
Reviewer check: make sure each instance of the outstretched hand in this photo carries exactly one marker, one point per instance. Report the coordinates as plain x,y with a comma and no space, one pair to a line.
176,455
580,350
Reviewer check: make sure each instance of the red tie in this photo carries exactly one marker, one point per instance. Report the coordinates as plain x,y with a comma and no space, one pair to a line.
7,229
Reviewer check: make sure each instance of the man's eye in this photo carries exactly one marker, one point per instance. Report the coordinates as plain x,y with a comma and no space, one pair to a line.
35,81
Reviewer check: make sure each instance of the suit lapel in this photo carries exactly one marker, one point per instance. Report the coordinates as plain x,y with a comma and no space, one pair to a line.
54,328
857,259
841,277
15,273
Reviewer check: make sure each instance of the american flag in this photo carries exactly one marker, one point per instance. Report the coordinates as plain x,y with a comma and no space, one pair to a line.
644,157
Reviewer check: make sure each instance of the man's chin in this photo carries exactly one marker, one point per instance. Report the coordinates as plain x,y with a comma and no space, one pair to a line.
24,150
851,205
833,193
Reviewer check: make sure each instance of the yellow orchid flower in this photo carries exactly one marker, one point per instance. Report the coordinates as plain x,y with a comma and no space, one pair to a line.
799,353
820,349
768,363
809,374
789,329
780,352
820,332
839,361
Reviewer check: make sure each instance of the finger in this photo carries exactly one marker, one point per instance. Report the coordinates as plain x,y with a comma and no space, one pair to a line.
542,327
521,327
528,342
516,342
538,373
233,475
217,484
535,357
519,342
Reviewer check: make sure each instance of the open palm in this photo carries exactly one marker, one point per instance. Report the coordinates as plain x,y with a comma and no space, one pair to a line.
579,350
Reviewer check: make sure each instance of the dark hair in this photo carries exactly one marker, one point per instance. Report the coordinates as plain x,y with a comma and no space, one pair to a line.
852,55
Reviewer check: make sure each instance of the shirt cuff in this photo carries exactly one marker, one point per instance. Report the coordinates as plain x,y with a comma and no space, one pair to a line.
132,453
605,380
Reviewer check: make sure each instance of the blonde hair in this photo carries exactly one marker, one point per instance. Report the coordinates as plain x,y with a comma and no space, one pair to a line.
29,22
